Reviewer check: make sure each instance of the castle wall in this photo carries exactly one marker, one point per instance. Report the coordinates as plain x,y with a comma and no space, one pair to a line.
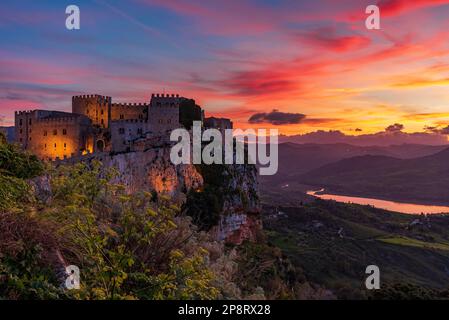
124,131
129,111
163,113
96,107
96,125
50,134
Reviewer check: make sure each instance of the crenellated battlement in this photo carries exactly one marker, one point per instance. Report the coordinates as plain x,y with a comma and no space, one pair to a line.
164,95
56,120
97,97
130,105
24,112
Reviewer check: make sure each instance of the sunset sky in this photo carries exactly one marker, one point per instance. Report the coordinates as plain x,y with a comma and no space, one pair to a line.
237,58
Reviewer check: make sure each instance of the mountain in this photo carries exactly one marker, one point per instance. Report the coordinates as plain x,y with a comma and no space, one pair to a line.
297,159
383,138
419,180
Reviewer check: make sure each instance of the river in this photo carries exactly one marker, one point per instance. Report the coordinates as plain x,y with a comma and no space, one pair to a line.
409,208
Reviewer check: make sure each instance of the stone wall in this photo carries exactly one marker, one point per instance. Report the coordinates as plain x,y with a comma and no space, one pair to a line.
129,111
124,132
52,134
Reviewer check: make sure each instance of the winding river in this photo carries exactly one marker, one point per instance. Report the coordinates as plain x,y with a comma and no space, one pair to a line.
409,208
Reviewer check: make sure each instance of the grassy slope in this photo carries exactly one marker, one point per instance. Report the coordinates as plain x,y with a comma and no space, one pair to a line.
309,236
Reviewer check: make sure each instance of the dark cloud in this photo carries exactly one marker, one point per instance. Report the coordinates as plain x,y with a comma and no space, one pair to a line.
445,130
358,130
277,118
397,127
437,130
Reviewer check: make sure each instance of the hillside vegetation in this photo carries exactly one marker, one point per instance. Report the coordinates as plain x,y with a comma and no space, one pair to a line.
333,243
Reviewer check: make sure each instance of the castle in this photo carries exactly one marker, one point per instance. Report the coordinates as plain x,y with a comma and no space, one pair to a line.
97,125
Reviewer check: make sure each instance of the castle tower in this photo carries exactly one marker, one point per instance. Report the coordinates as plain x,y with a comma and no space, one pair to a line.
163,113
96,107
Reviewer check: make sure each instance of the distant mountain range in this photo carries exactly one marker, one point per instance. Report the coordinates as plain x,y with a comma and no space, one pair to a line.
423,179
383,138
296,159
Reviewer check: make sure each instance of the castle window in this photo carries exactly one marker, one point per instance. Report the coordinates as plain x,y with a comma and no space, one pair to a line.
140,116
45,146
139,131
55,145
45,133
87,111
102,121
30,138
64,131
121,130
65,145
21,131
20,122
122,116
20,139
101,112
30,122
55,132
160,121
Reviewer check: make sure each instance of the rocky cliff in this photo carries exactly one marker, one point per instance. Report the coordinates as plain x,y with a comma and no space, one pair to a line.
226,196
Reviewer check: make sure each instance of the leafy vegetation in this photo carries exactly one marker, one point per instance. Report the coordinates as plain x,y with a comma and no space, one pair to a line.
15,166
127,246
205,206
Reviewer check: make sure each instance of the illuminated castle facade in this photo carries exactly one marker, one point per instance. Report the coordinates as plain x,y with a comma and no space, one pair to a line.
96,124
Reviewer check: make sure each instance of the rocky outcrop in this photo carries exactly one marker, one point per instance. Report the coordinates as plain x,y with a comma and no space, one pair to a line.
151,170
241,207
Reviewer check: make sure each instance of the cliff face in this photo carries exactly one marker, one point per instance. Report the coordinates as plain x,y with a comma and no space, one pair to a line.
239,220
236,185
153,170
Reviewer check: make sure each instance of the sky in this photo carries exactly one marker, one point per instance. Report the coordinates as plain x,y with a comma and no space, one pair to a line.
298,66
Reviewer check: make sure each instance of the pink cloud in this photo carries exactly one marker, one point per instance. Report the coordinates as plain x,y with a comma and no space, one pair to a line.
396,7
327,38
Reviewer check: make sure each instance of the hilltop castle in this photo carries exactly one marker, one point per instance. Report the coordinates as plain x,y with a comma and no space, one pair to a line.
97,125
